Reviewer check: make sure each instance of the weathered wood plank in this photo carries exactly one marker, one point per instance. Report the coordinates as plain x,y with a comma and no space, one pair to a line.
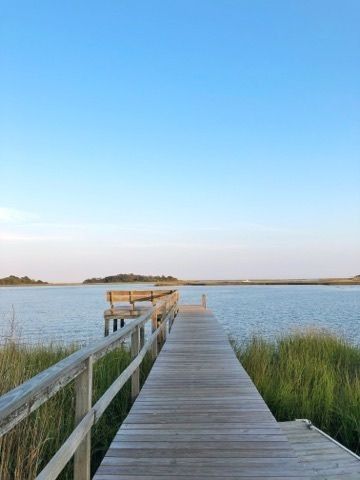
113,476
199,415
318,454
83,397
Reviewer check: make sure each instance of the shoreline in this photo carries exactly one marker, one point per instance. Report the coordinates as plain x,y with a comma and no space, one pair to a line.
207,283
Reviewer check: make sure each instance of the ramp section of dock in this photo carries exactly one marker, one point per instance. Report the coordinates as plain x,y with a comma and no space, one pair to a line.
199,416
320,455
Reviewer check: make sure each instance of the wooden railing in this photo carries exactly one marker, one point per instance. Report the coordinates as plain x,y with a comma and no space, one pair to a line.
26,398
120,312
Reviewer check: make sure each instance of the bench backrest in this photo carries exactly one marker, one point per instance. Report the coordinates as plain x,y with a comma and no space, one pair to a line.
133,296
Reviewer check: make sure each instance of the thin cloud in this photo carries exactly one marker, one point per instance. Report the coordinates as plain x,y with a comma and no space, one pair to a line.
146,228
19,237
182,246
12,215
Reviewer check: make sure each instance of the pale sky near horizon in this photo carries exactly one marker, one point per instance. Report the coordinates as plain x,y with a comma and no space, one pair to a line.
206,139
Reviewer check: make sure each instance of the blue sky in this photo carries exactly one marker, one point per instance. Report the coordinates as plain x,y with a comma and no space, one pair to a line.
207,139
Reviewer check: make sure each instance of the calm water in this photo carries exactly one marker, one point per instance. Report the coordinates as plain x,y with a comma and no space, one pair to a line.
75,313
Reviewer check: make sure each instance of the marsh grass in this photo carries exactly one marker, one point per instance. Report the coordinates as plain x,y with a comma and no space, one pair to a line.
26,449
311,374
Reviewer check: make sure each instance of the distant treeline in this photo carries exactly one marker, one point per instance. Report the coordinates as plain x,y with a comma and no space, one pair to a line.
131,277
13,280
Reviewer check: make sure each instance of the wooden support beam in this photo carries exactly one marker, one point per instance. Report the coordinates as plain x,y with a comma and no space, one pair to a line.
159,337
135,378
154,350
83,395
142,337
115,325
203,300
106,327
171,319
163,319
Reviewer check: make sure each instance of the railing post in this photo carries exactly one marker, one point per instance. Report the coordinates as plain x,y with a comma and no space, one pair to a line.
203,300
164,320
177,304
160,334
135,377
83,394
142,336
174,313
106,328
171,319
154,349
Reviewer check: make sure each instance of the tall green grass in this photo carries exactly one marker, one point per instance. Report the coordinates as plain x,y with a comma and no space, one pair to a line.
310,374
27,448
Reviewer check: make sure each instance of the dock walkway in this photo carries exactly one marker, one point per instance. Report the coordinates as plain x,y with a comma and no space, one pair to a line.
199,416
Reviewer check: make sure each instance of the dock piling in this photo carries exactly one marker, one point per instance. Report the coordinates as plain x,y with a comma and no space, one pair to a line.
115,324
203,300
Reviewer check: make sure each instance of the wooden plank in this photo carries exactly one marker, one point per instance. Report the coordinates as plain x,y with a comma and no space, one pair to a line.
113,476
204,477
199,415
319,455
124,311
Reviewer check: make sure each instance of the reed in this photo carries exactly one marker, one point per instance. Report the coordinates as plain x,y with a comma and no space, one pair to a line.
26,449
309,374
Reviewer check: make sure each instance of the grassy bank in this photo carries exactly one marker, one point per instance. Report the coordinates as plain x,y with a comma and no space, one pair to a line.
310,374
305,375
29,446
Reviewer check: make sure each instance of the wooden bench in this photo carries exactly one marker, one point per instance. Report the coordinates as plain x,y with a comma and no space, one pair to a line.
126,308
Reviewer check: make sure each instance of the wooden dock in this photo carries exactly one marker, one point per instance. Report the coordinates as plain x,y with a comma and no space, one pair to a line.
199,415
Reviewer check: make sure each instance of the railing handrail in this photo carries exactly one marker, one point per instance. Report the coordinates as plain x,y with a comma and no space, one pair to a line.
18,403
